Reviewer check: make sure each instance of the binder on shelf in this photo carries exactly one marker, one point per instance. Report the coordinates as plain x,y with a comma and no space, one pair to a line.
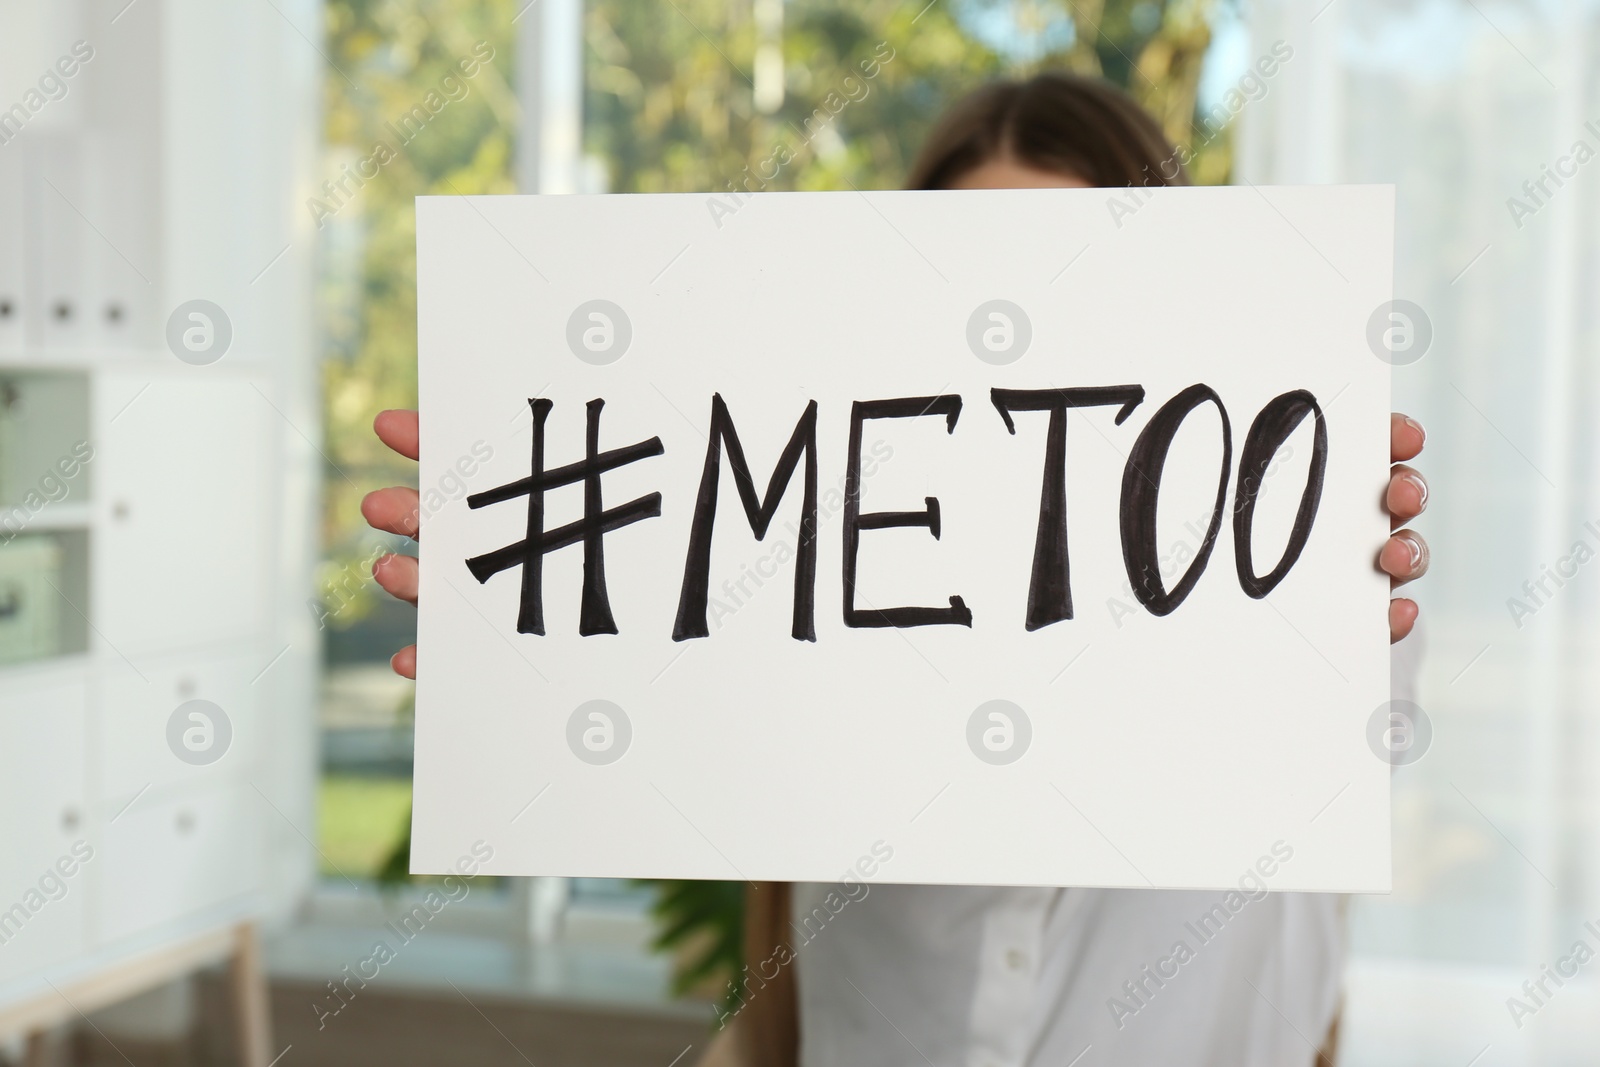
13,257
58,249
122,158
122,278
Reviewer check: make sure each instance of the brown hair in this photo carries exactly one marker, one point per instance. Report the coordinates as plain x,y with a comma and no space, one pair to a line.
1065,123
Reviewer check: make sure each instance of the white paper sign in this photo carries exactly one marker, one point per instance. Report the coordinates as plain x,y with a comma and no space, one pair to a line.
1002,446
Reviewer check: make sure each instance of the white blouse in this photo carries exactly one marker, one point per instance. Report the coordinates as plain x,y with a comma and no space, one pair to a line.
977,976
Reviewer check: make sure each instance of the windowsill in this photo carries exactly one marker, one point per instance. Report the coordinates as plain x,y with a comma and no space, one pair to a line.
566,971
486,910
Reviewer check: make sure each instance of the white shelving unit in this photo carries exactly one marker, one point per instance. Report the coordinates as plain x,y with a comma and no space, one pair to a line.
171,164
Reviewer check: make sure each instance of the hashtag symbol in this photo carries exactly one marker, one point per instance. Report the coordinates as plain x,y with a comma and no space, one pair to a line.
595,612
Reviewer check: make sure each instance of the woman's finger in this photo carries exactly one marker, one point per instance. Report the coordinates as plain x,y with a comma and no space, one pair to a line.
1406,436
395,510
398,575
397,428
404,662
1404,557
1402,617
1408,494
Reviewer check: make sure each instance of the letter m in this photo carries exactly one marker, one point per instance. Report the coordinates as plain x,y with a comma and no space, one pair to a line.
691,621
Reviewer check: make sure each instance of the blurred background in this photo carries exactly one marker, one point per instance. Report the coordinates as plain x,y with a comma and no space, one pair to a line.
207,285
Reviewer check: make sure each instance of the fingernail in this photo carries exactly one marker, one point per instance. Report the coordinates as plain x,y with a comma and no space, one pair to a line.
1421,487
1414,547
1417,426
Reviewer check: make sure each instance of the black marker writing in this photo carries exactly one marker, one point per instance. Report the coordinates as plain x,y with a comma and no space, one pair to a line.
1268,432
1141,484
594,615
1049,599
1050,587
861,411
691,620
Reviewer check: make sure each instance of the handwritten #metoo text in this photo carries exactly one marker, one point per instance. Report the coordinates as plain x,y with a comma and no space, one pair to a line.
1049,598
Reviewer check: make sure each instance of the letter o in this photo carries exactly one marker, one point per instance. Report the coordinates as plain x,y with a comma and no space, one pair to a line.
1141,484
1268,432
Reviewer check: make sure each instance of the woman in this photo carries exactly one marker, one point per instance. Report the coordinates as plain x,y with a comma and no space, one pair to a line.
974,975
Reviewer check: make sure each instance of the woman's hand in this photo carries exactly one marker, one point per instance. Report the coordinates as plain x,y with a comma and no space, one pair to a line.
396,510
1405,555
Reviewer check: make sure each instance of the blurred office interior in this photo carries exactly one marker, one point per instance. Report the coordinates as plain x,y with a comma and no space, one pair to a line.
207,290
